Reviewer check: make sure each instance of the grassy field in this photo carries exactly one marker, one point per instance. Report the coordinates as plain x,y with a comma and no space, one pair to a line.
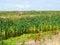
14,27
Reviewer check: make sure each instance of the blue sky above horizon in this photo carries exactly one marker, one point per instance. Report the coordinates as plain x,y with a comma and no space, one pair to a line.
29,4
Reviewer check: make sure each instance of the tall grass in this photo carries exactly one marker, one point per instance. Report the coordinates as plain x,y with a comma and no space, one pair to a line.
16,27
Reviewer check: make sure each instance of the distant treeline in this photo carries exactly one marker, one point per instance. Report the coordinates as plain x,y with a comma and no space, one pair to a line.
11,13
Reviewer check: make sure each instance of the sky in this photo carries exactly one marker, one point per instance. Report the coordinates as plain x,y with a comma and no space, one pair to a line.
29,5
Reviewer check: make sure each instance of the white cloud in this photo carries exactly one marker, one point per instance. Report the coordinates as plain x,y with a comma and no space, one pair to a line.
22,5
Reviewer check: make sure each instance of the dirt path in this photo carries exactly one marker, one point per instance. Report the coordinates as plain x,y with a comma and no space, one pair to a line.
16,16
55,40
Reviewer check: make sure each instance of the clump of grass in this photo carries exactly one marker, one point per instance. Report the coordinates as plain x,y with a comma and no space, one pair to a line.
55,30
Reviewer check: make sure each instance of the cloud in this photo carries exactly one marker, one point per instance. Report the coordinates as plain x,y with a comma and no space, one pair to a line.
22,5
